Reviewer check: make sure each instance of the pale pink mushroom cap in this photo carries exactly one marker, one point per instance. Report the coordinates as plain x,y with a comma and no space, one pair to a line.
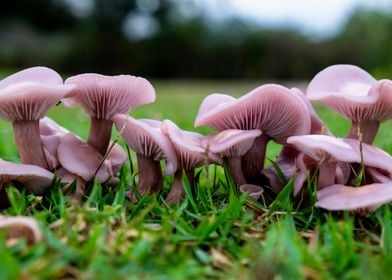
145,138
19,227
372,156
317,125
254,191
352,92
324,148
104,96
231,142
34,178
189,146
81,159
341,197
274,109
28,94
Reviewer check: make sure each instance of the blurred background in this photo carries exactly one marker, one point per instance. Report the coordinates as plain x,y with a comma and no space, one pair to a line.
196,39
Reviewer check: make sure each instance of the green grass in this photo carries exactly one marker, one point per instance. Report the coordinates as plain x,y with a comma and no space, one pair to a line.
215,233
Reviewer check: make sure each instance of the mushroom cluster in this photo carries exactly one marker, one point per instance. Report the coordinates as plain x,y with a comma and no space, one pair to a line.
350,172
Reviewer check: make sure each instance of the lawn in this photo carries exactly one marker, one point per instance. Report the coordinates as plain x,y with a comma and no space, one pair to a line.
213,234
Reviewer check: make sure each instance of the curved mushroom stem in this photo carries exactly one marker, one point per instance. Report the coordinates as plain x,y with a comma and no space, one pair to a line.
326,175
150,175
99,135
253,160
235,168
368,130
177,191
28,141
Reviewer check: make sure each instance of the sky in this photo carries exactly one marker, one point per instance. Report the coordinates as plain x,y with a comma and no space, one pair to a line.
320,18
311,16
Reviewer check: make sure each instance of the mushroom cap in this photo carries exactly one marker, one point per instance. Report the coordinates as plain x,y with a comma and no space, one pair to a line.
341,197
104,96
352,92
231,142
325,148
145,138
316,124
82,159
372,156
51,134
273,109
377,176
189,146
28,94
18,227
254,191
34,178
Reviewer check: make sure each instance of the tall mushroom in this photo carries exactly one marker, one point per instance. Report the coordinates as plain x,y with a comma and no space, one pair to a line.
277,111
151,146
356,95
191,153
25,97
104,96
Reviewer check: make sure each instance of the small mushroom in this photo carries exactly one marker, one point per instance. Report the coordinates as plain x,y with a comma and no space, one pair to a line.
191,153
21,227
34,178
327,151
253,191
82,159
104,96
231,145
356,95
277,111
25,97
151,146
51,135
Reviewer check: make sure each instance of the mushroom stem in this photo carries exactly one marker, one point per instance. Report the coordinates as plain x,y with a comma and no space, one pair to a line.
177,191
150,175
28,141
326,175
253,160
100,133
368,130
234,167
190,175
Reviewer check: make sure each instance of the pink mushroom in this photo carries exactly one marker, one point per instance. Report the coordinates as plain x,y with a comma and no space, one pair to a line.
82,159
52,134
277,111
151,146
327,151
356,95
231,145
25,97
104,96
21,227
341,197
34,178
191,153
